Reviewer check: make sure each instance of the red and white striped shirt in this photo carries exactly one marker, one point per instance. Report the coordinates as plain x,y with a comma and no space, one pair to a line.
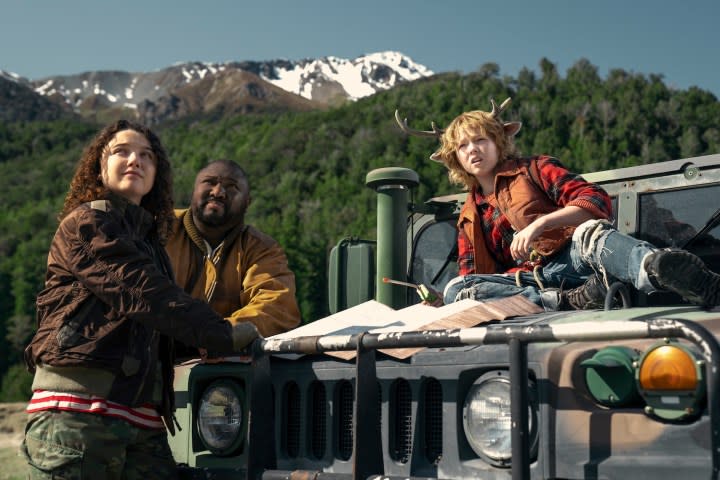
145,416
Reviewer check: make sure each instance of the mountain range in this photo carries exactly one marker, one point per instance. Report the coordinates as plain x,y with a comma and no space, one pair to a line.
193,88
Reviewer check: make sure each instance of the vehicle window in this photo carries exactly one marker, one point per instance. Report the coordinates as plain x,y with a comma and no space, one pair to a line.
672,218
435,250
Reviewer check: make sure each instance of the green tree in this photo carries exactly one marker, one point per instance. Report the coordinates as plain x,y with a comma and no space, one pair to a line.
16,385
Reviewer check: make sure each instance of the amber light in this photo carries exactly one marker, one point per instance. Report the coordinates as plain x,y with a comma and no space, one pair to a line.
668,368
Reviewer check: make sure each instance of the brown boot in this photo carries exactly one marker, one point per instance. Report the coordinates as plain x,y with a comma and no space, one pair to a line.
590,295
685,274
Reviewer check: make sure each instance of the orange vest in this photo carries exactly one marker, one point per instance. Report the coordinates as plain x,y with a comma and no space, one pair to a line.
521,200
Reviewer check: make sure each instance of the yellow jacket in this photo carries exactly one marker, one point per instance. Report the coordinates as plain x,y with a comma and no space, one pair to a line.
246,279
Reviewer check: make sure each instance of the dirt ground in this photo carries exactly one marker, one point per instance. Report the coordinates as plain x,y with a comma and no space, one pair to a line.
12,423
12,427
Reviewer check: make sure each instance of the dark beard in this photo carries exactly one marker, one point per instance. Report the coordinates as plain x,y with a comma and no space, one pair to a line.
214,219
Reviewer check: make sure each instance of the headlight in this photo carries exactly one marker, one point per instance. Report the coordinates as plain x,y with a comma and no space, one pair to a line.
220,417
610,376
486,418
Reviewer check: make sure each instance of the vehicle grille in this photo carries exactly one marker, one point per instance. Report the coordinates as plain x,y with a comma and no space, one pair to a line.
292,420
409,419
401,415
345,420
318,420
432,417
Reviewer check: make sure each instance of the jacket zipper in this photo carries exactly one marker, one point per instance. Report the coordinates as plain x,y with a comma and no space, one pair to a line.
148,368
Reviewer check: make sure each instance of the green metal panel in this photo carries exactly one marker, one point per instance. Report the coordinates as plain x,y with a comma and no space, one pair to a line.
351,276
392,185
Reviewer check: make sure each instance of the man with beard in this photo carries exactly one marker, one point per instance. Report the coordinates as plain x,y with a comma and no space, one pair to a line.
241,272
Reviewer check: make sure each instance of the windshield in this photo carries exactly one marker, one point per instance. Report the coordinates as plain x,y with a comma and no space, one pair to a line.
434,255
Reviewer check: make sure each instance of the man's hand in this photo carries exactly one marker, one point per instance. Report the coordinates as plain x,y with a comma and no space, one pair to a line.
243,334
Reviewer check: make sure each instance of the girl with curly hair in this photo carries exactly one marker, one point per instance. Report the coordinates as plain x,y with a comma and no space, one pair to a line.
107,318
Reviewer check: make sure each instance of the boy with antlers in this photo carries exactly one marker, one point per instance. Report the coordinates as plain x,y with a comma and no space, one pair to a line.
529,223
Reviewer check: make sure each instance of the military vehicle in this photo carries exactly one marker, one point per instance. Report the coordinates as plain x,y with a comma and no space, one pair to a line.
628,392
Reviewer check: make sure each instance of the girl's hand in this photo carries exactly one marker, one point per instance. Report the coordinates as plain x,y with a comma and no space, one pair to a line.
205,359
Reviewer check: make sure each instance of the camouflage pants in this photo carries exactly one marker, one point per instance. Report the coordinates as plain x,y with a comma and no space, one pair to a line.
72,445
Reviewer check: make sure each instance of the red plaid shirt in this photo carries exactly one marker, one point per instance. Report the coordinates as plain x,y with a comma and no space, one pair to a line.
562,186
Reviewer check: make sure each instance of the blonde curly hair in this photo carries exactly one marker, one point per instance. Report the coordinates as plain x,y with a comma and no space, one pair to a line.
475,122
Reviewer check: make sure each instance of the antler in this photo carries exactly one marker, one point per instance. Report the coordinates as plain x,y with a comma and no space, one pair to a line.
496,111
436,132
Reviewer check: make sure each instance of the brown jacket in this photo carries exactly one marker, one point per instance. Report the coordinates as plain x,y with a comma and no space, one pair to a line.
246,280
522,201
109,308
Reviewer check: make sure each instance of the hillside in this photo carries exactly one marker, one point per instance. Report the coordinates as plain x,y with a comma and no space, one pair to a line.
18,102
307,168
228,93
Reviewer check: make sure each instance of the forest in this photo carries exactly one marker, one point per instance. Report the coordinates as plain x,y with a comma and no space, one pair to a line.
307,170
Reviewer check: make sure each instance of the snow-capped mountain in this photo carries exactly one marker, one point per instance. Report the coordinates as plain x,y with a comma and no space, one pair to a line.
358,78
11,76
324,80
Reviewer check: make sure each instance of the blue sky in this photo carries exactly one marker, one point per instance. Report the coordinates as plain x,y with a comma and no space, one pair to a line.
678,40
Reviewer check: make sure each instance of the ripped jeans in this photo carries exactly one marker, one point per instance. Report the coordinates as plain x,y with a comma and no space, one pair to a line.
596,247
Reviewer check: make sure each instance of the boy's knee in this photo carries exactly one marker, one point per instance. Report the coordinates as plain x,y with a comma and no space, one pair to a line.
591,234
452,288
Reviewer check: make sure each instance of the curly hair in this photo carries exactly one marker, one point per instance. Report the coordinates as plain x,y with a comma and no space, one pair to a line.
86,184
472,123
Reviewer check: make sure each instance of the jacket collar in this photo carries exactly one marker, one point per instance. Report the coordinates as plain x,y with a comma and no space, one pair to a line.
194,234
508,168
137,216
